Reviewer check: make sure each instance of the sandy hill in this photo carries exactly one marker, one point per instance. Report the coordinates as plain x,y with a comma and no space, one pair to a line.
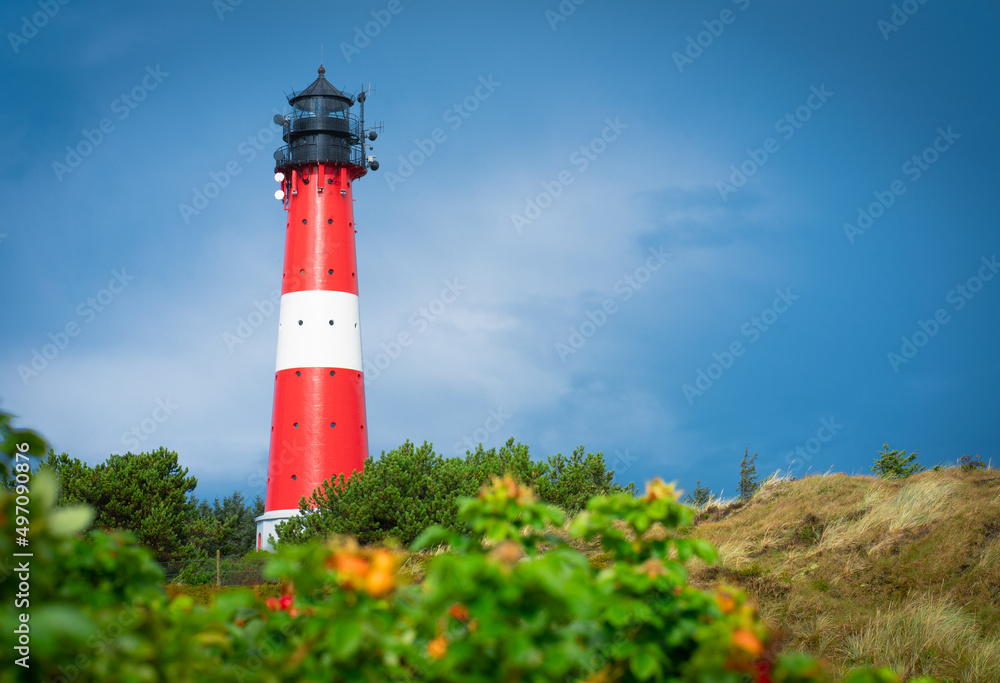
864,571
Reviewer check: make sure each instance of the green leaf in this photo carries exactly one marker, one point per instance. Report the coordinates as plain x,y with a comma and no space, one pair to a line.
68,521
704,550
643,664
44,487
432,536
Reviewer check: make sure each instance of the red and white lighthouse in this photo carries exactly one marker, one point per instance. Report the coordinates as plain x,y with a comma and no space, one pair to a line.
318,427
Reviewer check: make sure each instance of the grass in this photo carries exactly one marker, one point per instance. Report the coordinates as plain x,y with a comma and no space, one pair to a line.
927,634
864,571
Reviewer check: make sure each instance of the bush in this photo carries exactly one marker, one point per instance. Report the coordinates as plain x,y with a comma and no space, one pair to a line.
411,488
896,464
968,463
493,607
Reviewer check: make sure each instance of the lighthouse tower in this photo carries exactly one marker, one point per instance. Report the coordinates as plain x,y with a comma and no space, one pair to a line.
318,427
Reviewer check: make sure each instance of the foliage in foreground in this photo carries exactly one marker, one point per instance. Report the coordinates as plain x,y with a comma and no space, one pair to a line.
411,488
508,601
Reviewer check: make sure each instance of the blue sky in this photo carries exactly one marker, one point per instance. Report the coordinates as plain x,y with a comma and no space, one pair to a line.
669,230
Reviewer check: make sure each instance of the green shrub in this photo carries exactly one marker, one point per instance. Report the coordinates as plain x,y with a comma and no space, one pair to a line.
969,463
748,475
410,488
896,464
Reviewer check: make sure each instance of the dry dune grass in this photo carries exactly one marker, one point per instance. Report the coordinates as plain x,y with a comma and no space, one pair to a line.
922,637
861,570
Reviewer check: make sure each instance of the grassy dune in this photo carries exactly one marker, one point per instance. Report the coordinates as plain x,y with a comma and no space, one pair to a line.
863,571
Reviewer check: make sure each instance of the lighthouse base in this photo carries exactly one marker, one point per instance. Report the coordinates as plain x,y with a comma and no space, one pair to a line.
267,524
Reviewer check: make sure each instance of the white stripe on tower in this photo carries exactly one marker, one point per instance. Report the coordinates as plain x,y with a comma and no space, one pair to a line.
319,329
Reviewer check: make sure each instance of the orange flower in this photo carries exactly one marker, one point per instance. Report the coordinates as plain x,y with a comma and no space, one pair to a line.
437,648
272,604
508,552
652,568
459,611
725,601
383,560
379,583
748,642
656,489
351,568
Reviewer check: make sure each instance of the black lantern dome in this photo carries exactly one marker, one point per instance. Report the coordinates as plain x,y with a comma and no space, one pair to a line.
321,128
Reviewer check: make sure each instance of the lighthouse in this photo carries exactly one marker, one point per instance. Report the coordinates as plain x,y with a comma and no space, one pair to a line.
318,424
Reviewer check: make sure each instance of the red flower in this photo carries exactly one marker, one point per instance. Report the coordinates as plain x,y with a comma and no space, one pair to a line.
763,672
459,611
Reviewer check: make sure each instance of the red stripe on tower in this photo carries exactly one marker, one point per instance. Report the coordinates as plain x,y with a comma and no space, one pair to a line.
318,427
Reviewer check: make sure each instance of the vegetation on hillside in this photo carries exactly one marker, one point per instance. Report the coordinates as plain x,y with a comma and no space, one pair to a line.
901,572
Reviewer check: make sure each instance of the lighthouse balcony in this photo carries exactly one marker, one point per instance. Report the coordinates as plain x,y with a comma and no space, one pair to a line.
326,124
328,150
